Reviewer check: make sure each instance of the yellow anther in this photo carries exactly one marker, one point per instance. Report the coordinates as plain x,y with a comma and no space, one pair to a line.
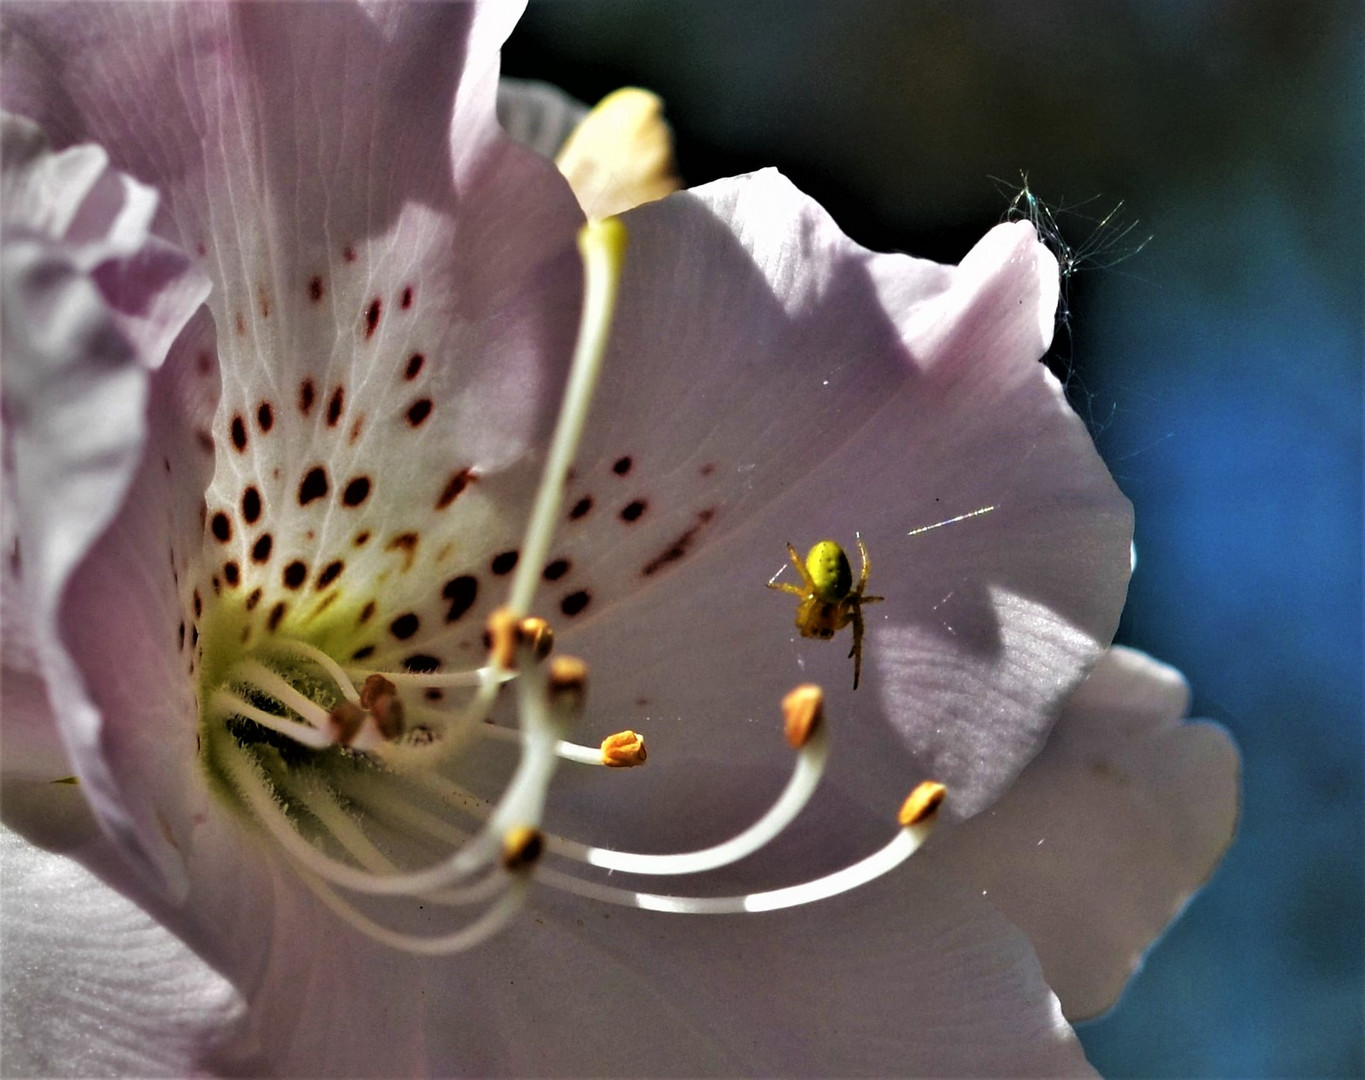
502,638
521,847
621,155
568,683
538,634
344,722
922,803
803,710
374,687
624,750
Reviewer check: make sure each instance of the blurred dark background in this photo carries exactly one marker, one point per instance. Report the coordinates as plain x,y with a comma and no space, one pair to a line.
1220,369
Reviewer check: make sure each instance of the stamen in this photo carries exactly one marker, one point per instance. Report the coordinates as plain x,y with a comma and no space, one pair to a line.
225,701
603,247
905,844
480,930
256,674
624,750
569,751
521,848
803,713
810,765
568,686
308,652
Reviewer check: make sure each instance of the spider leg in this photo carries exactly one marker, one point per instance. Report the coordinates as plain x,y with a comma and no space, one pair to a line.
857,651
867,566
783,586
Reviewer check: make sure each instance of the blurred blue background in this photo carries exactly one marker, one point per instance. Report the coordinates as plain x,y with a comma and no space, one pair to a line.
1220,369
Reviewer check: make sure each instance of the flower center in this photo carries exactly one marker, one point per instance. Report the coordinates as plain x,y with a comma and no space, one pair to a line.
380,784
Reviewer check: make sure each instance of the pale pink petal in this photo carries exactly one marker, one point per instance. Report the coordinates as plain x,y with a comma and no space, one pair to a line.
537,114
83,322
1110,830
93,985
907,977
759,391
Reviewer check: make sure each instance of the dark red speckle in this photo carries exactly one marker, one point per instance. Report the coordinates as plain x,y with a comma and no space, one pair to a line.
418,411
238,431
372,317
415,362
575,602
621,466
265,416
357,491
406,301
335,405
307,395
461,591
454,486
314,485
348,253
315,289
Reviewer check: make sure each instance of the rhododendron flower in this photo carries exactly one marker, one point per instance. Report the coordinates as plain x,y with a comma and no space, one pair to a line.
274,555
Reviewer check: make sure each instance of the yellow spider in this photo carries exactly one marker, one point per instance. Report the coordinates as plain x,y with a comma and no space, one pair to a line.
829,600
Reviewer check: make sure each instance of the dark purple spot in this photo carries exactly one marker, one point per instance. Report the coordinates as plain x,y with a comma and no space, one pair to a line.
363,653
182,634
265,416
314,485
205,441
421,663
415,362
456,484
238,433
251,505
575,602
622,466
632,510
307,392
330,573
231,573
505,563
263,298
461,591
294,574
277,614
367,612
348,253
556,570
361,538
404,626
198,604
260,551
406,301
335,406
253,599
222,527
418,411
356,428
580,508
357,491
708,469
315,289
239,320
372,317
